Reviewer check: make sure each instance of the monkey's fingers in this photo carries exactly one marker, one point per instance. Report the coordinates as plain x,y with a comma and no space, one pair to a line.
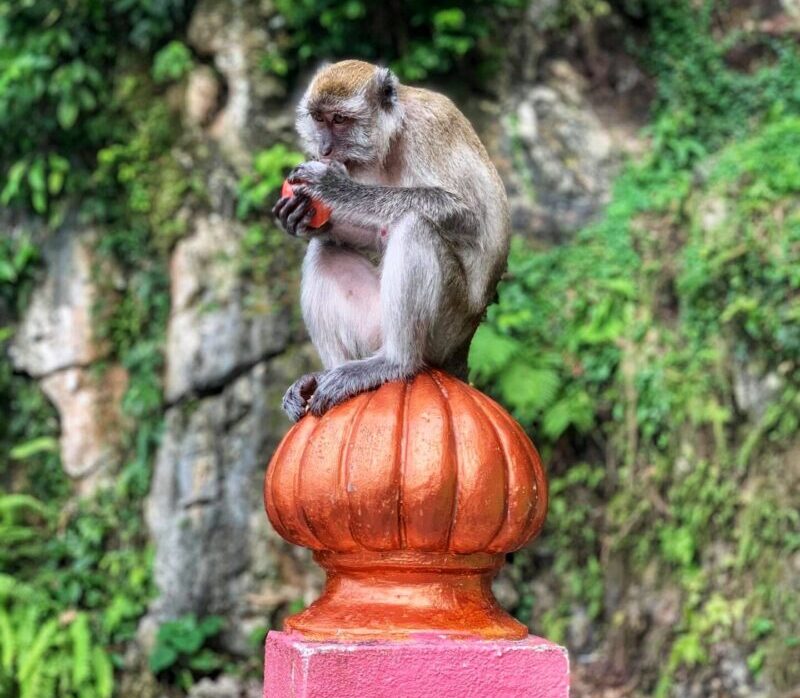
310,172
295,203
298,214
278,207
302,191
304,227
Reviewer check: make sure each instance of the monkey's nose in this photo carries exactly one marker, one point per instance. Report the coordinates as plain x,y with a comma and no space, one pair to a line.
326,149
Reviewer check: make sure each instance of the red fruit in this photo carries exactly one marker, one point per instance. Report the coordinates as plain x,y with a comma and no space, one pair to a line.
322,213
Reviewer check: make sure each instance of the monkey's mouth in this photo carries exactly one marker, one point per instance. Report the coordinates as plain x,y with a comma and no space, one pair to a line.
330,159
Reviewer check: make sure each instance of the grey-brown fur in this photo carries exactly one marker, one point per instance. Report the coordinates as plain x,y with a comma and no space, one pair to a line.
417,241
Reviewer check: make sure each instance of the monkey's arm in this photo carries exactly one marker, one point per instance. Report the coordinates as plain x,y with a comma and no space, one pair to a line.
373,206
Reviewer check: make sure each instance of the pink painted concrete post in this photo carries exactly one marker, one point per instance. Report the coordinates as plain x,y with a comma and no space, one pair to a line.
409,495
423,668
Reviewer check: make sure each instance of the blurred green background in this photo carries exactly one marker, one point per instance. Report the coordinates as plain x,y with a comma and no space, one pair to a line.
647,333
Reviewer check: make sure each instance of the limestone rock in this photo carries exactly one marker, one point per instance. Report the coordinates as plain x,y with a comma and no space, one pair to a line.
237,36
561,155
56,331
753,391
55,344
226,687
201,97
88,407
211,336
205,510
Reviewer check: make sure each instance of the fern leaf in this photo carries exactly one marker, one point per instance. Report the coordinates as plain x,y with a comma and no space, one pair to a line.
39,647
103,672
81,649
6,642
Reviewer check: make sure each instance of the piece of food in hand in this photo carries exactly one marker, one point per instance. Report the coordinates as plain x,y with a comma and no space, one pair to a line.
322,213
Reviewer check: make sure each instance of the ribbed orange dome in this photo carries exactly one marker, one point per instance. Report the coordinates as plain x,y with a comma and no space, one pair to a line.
422,475
430,465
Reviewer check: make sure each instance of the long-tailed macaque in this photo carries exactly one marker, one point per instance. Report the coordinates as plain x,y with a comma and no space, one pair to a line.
417,240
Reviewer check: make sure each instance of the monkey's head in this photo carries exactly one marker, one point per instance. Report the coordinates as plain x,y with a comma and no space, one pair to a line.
350,113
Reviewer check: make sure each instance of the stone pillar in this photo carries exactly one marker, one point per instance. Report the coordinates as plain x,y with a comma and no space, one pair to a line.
409,495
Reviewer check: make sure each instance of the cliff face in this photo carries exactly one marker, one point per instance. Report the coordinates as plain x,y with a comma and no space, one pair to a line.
559,130
231,345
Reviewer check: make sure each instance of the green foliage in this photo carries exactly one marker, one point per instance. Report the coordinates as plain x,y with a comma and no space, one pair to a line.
76,593
172,62
268,258
418,39
48,657
19,259
569,12
181,648
701,102
270,167
616,350
53,64
618,359
102,143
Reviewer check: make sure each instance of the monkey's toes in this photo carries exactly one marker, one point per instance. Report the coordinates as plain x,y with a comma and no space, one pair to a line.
294,406
326,397
295,400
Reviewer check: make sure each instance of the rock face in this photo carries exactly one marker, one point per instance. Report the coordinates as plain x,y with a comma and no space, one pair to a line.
235,36
205,506
227,369
560,154
89,410
55,343
56,332
211,336
228,360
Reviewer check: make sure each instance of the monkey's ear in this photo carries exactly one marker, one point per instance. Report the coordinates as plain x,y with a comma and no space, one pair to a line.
386,87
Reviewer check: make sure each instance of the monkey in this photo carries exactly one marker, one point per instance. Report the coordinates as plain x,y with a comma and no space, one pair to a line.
399,277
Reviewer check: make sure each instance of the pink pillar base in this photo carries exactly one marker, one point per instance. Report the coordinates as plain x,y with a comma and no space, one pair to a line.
428,667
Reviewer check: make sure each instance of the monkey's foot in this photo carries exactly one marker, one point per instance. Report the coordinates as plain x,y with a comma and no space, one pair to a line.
350,379
295,401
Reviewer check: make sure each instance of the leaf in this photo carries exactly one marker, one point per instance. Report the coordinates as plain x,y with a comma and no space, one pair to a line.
35,653
490,351
14,503
13,180
41,444
576,409
6,642
205,661
162,657
172,62
186,640
81,644
210,625
39,201
103,672
528,388
36,178
55,182
67,114
449,20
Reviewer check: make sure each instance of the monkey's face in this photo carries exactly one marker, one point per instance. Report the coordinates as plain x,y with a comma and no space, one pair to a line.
349,113
340,133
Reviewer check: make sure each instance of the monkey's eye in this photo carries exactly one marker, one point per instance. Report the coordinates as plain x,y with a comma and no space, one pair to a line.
338,119
317,116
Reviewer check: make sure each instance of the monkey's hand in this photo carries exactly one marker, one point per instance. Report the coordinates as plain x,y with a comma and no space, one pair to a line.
316,179
294,213
295,401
